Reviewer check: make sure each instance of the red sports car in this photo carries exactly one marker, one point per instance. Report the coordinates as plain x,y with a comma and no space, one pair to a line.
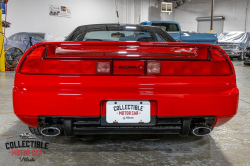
129,79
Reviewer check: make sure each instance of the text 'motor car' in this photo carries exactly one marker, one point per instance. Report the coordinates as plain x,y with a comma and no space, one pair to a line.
129,79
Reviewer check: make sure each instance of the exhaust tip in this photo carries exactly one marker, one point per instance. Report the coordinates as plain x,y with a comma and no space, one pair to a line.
50,131
201,131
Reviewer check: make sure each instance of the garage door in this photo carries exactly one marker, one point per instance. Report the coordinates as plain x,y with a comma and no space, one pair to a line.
204,25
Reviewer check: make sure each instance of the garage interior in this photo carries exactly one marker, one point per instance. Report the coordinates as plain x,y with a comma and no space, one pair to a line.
227,145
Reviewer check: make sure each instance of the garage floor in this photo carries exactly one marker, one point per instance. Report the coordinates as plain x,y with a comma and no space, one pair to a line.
227,145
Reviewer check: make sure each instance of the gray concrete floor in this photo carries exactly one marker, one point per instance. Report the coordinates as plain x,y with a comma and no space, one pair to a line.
227,145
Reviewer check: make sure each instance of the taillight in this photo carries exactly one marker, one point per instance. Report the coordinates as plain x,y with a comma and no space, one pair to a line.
216,65
154,68
202,61
36,63
103,67
33,61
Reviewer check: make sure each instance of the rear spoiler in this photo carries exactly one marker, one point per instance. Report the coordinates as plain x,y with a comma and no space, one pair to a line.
78,57
132,50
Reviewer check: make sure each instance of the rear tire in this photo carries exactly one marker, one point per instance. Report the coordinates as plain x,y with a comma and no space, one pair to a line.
36,131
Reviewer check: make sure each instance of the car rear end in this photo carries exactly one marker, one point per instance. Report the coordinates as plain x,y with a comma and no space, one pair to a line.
125,87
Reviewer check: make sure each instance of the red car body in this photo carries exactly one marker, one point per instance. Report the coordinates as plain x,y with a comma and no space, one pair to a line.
50,81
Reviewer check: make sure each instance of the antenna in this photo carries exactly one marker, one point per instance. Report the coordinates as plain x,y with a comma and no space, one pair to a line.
117,12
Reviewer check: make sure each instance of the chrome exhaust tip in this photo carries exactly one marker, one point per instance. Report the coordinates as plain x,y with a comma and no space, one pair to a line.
51,131
201,131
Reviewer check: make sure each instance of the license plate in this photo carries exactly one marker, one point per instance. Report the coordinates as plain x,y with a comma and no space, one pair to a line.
128,112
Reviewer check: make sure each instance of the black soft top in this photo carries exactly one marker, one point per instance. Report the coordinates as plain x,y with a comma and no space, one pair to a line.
79,33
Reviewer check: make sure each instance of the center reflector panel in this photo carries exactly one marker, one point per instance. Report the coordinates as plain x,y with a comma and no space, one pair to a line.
123,67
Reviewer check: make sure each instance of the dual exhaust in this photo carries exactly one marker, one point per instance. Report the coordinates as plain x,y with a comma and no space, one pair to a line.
55,130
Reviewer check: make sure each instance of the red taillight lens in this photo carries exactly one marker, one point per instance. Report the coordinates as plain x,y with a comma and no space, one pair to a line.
216,65
103,67
33,61
154,68
211,61
220,63
217,55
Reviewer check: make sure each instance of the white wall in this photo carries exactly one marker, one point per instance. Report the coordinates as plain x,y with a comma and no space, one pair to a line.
33,15
234,12
149,11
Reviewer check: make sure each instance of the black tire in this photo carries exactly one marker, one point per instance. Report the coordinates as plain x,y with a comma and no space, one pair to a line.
240,58
36,131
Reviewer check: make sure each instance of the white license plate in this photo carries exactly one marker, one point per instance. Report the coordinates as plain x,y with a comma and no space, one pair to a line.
128,112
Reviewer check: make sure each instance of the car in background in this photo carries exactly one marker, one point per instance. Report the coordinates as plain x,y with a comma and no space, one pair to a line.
235,43
24,40
17,44
174,29
246,57
124,79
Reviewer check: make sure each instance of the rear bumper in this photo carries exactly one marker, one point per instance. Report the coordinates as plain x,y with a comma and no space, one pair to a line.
247,62
234,53
95,125
237,54
85,96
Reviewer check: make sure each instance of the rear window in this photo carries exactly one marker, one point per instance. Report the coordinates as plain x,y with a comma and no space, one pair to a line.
118,36
170,27
116,32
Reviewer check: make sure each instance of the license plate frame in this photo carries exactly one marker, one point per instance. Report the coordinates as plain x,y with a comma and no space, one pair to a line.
136,112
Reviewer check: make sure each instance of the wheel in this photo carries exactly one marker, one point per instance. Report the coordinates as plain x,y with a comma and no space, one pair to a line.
240,58
12,56
36,131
